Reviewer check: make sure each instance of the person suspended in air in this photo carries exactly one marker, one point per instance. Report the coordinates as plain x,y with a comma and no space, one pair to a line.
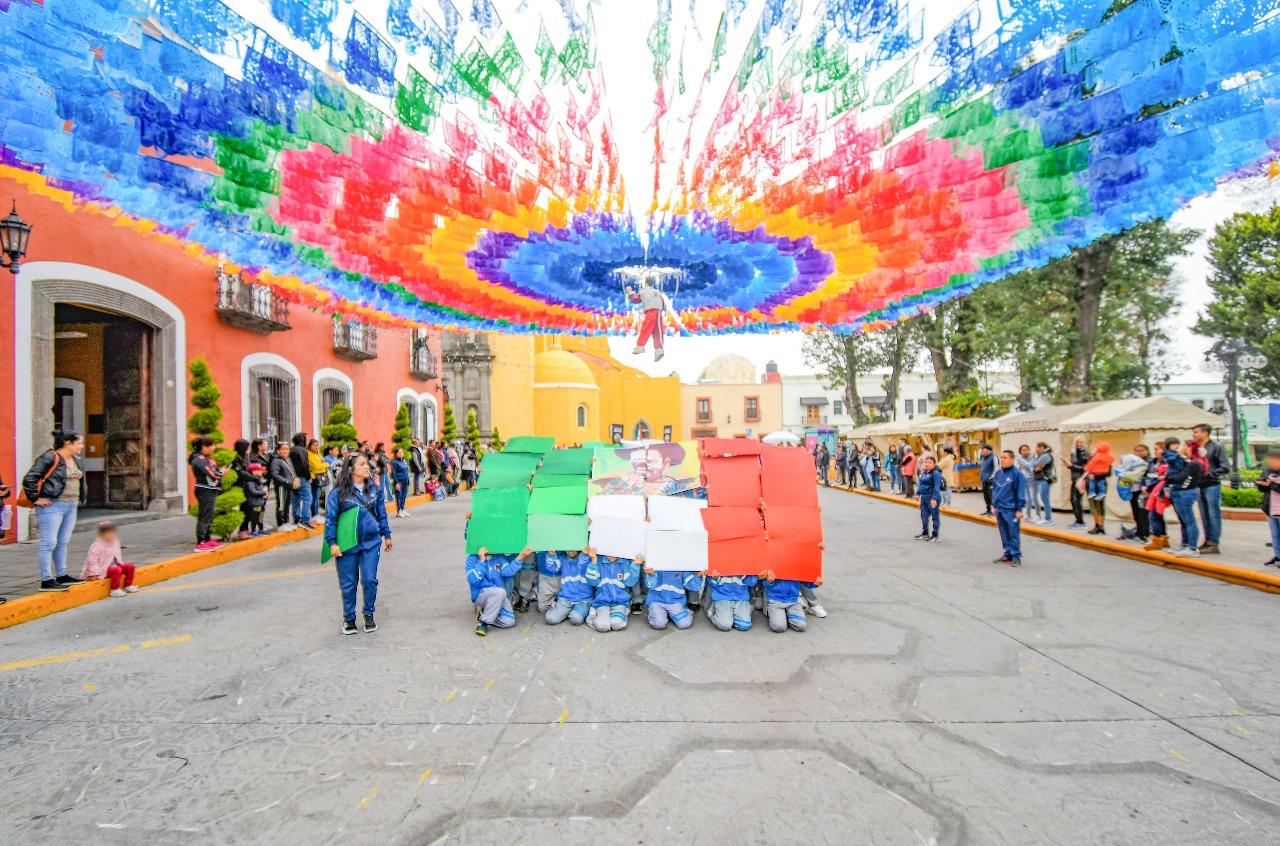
654,303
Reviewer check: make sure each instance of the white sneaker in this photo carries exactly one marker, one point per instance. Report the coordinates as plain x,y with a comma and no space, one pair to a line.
405,513
117,592
638,351
1188,552
131,589
817,610
658,354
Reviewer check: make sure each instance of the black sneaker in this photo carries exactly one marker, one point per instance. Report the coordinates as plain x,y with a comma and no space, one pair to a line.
53,585
482,629
932,539
637,608
369,624
349,627
522,605
69,580
695,607
921,536
1003,559
1016,562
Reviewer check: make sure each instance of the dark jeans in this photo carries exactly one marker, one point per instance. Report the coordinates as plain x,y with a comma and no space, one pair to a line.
1141,517
417,483
357,567
844,471
284,502
315,497
986,494
1077,501
402,493
927,513
205,499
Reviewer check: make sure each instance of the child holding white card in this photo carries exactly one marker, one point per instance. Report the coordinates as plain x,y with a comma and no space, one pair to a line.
666,597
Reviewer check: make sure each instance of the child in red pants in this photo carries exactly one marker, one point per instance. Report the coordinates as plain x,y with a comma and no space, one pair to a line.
103,560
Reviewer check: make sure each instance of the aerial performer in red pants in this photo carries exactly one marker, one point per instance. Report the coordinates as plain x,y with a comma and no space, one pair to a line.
654,303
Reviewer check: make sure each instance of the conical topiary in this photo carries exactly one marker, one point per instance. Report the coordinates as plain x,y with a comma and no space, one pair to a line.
227,515
337,430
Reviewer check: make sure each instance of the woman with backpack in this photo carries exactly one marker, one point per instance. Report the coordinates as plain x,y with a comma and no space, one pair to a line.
54,487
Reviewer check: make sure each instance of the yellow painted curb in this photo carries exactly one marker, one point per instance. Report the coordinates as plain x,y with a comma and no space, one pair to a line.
1223,572
24,609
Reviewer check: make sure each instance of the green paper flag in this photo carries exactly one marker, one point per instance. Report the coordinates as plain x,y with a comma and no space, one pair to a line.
562,500
556,531
348,523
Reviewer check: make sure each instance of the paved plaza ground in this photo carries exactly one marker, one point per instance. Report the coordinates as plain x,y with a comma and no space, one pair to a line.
1082,699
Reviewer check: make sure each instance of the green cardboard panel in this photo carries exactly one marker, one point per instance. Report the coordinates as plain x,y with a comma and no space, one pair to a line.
562,500
509,462
557,480
496,534
577,461
529,444
492,479
556,532
508,503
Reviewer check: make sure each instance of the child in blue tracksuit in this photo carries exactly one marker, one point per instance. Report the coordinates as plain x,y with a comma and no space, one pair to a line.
730,602
1008,498
548,567
612,579
782,603
400,480
929,486
665,593
487,575
573,601
360,563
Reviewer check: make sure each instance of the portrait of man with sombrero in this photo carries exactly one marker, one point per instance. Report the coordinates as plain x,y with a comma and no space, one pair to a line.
653,469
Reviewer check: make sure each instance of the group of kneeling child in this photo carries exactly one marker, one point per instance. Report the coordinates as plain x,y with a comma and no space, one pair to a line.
604,590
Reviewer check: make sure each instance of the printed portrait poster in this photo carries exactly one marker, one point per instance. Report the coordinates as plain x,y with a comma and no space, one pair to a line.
652,469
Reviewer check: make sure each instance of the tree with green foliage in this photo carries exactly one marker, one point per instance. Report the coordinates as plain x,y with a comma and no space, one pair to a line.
449,429
402,435
1244,254
495,440
337,429
473,430
839,360
227,515
899,348
973,402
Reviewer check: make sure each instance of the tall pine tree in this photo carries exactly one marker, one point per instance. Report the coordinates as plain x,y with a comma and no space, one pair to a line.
227,515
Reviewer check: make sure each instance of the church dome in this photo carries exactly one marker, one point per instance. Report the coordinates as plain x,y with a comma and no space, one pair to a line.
729,369
557,366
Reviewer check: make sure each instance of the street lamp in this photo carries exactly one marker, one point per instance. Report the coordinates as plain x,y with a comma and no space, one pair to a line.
1233,355
14,233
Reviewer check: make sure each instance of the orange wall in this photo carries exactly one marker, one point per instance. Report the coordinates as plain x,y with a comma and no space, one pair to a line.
89,238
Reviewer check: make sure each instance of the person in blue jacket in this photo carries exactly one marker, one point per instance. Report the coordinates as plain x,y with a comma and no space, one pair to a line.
612,578
665,596
373,536
1009,498
400,480
487,575
573,602
782,603
929,487
730,601
548,566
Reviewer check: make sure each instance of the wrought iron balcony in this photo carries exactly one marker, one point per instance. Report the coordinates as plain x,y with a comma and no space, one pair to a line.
248,305
422,364
354,341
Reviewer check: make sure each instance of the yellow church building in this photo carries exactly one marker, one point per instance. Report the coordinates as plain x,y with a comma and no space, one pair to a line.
577,392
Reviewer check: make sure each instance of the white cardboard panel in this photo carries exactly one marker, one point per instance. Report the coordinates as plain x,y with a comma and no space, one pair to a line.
617,536
676,514
620,506
676,551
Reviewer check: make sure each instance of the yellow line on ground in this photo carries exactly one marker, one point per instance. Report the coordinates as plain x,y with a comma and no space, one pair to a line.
91,653
240,580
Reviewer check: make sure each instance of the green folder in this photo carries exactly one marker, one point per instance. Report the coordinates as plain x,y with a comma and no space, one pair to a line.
562,500
557,532
348,522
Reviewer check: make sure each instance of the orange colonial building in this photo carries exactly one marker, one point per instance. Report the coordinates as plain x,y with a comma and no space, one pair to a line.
103,319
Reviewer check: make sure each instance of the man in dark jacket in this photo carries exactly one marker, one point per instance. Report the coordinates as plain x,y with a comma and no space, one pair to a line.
417,465
299,459
1079,458
284,480
1211,488
1269,483
985,474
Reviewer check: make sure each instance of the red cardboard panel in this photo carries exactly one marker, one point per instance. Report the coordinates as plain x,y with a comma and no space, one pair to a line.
734,481
739,557
793,524
787,477
728,522
796,560
718,447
